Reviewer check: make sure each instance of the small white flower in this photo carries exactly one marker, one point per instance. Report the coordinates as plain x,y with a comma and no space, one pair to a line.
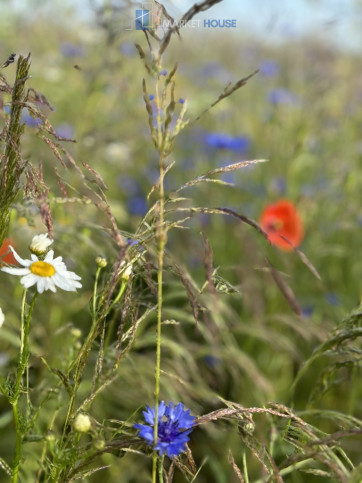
47,274
126,270
40,244
2,317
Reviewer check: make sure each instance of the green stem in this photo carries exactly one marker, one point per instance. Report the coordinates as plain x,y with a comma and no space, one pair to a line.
113,321
95,294
22,365
160,469
161,239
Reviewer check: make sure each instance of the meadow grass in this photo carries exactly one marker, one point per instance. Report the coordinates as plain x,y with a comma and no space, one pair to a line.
149,162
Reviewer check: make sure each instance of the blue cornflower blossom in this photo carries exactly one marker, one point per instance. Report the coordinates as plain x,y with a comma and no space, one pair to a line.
174,426
137,205
269,68
128,49
72,50
332,298
28,120
164,72
65,130
281,95
239,144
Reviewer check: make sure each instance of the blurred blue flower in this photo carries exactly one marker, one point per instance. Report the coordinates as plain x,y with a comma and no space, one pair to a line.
164,72
129,185
127,48
228,177
238,144
212,361
181,101
131,242
151,97
269,68
332,299
71,50
28,120
280,95
279,185
174,426
65,130
214,70
307,311
137,205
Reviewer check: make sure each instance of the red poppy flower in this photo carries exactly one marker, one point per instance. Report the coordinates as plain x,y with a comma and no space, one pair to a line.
6,255
282,222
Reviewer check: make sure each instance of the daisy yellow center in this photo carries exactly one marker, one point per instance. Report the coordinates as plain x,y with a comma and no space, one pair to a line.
43,269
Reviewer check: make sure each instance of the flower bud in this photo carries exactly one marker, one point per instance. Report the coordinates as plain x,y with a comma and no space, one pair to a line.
82,423
50,437
40,244
101,262
76,333
126,270
99,444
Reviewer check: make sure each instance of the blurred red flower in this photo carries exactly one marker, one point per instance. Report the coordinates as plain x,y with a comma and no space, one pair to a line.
281,219
9,257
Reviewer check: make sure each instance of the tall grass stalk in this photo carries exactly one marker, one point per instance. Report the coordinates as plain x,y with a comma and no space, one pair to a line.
11,165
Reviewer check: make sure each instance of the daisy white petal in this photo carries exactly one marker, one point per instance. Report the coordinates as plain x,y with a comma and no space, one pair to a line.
29,280
25,263
47,274
15,271
49,256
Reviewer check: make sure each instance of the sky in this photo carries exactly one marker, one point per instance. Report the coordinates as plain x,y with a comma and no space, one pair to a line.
337,21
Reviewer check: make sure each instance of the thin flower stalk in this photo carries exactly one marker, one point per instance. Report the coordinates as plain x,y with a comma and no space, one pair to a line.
161,243
22,366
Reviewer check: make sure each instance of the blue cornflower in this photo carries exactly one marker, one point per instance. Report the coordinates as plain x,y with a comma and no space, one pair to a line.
281,95
28,120
164,72
72,50
181,101
128,49
65,130
174,426
137,205
269,68
332,298
151,97
239,144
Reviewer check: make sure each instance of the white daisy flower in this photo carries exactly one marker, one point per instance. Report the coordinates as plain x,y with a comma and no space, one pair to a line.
2,317
47,274
40,244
